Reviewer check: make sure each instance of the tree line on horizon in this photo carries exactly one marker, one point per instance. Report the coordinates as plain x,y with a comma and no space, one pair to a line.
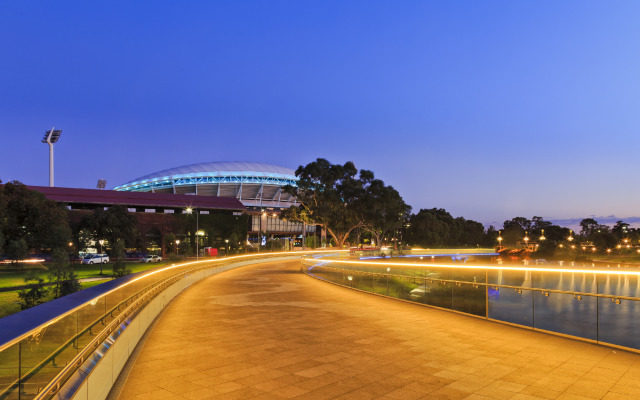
350,204
344,201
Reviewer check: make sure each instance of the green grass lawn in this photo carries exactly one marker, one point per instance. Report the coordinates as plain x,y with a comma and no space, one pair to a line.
12,278
9,277
10,302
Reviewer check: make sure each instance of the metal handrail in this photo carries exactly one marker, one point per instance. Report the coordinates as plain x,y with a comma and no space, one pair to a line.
77,361
54,386
30,333
493,285
133,304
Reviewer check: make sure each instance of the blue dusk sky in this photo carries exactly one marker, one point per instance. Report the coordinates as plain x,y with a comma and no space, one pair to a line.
489,109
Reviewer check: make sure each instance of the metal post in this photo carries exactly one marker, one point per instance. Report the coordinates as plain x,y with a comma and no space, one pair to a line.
50,164
51,137
304,234
597,311
197,235
19,370
486,292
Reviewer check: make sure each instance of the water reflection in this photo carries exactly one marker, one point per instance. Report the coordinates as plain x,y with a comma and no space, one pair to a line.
532,297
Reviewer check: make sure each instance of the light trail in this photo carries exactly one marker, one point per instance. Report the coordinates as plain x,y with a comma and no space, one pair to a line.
482,267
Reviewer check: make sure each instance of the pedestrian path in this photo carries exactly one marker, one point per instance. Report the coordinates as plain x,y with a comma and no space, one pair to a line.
270,332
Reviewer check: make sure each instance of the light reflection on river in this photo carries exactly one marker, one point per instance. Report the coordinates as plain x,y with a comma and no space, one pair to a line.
608,320
614,321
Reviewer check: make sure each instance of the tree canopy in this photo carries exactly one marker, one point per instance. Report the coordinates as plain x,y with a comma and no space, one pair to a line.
111,224
437,228
339,198
28,220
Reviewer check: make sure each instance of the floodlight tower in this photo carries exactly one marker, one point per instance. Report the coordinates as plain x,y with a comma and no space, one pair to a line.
51,137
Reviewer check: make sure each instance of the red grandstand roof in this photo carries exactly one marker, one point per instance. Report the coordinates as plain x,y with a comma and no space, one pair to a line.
138,199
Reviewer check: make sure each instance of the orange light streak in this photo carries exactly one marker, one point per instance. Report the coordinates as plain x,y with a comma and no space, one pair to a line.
483,267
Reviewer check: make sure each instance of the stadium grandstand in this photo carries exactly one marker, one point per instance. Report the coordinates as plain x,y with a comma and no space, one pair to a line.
256,185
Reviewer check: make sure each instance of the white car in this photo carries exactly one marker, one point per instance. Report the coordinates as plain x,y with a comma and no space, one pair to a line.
95,259
149,259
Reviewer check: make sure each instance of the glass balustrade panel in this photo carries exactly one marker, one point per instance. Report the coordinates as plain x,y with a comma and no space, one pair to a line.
9,370
90,321
47,352
569,314
510,305
618,322
439,294
510,278
469,298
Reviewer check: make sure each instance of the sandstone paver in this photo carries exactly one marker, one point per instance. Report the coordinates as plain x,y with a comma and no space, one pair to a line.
269,332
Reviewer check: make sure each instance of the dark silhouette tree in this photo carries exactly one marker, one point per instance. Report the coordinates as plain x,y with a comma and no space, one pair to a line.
331,196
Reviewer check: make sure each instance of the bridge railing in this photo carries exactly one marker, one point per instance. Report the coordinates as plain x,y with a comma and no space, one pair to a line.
593,304
43,347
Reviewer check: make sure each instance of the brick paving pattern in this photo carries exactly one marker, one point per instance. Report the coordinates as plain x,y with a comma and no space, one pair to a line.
270,332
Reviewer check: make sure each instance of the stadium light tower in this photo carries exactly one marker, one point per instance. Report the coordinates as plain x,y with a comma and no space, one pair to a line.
51,137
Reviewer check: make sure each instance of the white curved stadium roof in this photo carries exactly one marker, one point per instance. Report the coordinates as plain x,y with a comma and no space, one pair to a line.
215,169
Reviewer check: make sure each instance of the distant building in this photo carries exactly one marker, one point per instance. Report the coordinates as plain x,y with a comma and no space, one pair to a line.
155,212
258,186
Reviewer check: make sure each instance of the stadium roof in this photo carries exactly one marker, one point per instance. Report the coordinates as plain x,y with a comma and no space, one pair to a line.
137,199
217,169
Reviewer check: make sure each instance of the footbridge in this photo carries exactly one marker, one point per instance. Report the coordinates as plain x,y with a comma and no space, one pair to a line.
303,325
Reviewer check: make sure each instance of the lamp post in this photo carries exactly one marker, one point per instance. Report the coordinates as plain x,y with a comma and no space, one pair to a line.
500,239
51,137
388,270
101,241
227,242
177,247
189,210
263,224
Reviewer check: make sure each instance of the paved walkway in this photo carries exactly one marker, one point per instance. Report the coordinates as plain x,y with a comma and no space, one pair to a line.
270,332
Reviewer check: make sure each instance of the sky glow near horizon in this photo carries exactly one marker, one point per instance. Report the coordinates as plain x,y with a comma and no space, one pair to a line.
490,110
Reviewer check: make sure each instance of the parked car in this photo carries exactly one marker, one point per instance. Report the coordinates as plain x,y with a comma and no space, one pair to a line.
149,259
95,259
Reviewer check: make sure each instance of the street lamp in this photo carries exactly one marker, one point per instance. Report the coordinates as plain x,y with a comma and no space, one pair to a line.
388,270
526,238
227,242
570,238
189,211
51,137
542,235
177,247
101,241
499,238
